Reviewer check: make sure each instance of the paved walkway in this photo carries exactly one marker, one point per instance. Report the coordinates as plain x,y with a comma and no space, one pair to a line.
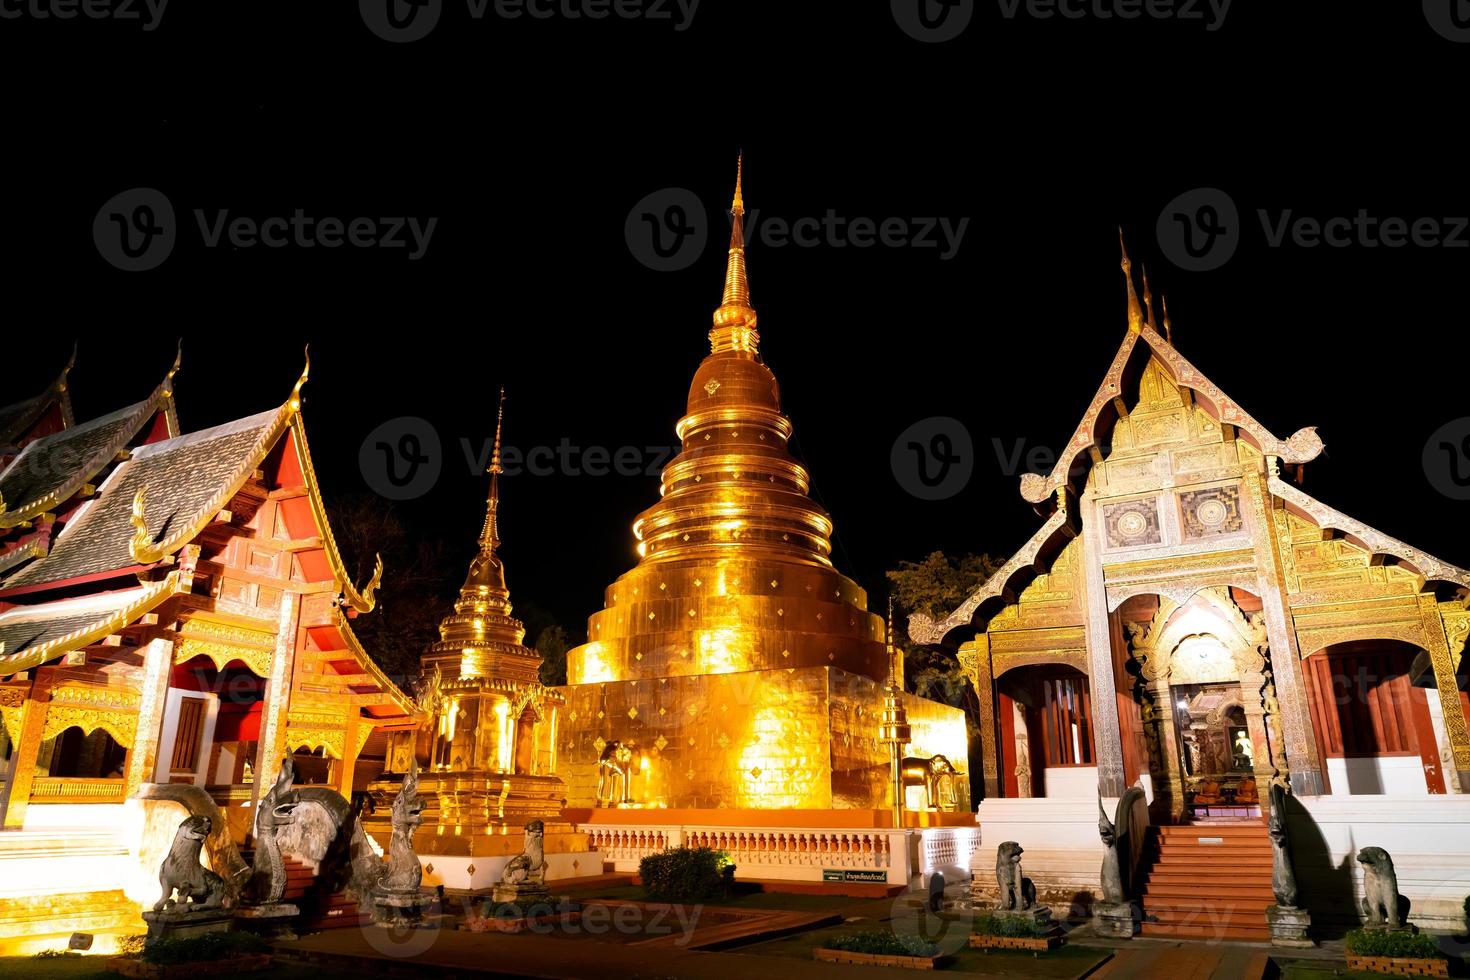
1185,962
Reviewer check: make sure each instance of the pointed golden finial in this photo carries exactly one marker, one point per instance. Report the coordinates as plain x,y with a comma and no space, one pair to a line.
295,401
1135,315
738,205
490,532
140,546
735,320
1168,326
71,362
1148,299
499,421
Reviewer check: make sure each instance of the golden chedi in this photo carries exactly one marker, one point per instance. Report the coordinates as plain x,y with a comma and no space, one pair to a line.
487,747
734,666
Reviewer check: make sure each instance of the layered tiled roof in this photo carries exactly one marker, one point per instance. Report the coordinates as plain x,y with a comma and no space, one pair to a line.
33,635
51,469
187,480
17,418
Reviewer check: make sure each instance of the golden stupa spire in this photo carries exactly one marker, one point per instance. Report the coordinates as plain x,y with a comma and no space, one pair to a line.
480,637
1135,315
490,533
734,327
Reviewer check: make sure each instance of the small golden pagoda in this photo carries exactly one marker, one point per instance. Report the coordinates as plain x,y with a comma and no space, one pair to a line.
488,747
734,666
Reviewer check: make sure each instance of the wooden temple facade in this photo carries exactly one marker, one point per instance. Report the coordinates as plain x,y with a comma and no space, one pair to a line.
1189,619
173,609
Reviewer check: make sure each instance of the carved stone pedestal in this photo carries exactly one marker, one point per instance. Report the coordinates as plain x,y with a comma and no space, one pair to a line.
183,925
405,906
271,920
522,895
1289,926
1115,920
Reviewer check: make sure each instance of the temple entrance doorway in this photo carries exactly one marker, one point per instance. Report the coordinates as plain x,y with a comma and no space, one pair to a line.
1216,754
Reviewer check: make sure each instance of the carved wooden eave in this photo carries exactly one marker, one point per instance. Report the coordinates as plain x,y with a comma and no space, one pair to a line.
120,428
1034,558
1430,568
87,620
361,600
1302,447
16,419
22,553
392,695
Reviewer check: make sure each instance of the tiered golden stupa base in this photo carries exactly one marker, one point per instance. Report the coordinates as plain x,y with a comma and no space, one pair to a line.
474,823
854,819
782,741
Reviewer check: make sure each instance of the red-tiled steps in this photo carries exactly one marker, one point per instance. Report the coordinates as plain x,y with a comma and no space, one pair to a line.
1209,881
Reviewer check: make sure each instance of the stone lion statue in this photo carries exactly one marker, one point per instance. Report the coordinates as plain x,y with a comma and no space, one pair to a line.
198,888
615,774
1016,892
528,867
1380,888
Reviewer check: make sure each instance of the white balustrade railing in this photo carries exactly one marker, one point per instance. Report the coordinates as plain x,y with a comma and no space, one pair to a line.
765,852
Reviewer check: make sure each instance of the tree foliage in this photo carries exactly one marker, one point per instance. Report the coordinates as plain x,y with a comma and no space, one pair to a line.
935,586
419,582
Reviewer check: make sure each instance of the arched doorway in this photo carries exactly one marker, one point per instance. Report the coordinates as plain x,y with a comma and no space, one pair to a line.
1046,732
1373,725
1205,718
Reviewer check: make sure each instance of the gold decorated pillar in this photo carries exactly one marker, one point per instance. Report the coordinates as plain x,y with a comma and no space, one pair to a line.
352,741
974,657
272,745
158,662
1445,643
29,735
1286,659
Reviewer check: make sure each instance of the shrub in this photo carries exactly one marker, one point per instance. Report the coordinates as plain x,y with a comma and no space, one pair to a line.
881,944
686,874
1376,942
131,945
205,948
1007,925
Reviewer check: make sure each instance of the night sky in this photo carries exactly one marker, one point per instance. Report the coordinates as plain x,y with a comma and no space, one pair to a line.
531,142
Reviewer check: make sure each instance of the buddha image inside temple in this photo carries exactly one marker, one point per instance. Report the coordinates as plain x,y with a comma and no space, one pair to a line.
1197,704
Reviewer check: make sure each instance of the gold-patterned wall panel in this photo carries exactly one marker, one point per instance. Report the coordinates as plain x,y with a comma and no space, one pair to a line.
749,740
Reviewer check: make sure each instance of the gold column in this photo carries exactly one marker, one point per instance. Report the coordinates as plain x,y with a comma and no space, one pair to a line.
351,746
974,657
1166,737
27,744
1445,647
158,661
1286,658
272,744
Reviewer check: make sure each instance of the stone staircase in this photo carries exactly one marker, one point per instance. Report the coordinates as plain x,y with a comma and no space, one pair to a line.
1208,881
